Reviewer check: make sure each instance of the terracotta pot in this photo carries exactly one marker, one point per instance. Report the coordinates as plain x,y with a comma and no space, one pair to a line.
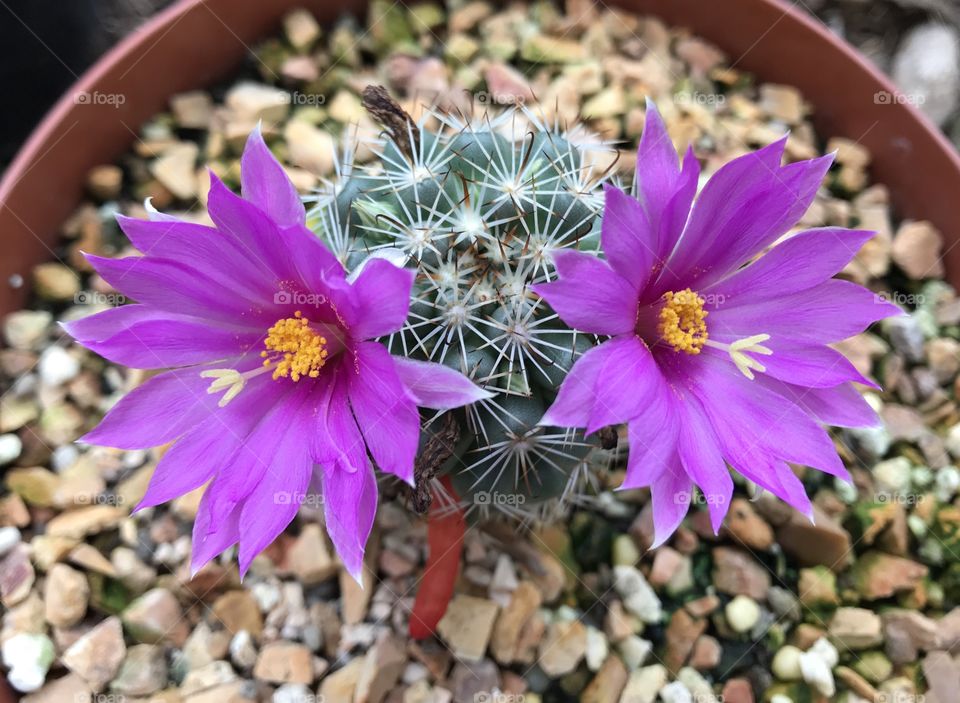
194,43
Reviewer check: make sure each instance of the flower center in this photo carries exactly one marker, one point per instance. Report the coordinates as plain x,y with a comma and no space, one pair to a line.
294,348
683,321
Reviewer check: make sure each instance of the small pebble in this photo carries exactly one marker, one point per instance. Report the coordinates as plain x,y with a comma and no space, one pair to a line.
742,613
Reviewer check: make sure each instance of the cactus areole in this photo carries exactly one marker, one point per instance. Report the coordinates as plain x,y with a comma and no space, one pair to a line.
478,206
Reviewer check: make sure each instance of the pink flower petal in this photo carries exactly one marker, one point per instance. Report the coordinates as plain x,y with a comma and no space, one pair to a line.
385,413
273,504
163,408
382,299
208,540
841,406
350,505
829,312
437,386
700,455
652,438
589,295
146,338
670,495
266,184
629,240
805,260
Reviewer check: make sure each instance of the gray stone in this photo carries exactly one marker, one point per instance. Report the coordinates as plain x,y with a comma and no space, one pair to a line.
927,69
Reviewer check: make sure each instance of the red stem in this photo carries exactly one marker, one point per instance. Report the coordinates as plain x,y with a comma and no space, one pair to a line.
445,529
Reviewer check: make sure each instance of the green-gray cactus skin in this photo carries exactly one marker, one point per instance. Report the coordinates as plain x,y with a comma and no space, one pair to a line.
478,208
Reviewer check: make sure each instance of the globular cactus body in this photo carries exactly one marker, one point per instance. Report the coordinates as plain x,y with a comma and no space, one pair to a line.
477,207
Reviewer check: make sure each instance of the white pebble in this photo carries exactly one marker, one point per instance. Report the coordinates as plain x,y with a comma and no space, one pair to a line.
413,672
925,69
242,651
786,663
634,651
9,538
826,651
267,595
952,441
10,448
638,596
64,457
293,693
625,552
597,649
675,692
816,664
57,366
28,656
948,482
742,613
699,687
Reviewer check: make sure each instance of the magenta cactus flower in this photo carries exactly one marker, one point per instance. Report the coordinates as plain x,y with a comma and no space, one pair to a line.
277,386
717,355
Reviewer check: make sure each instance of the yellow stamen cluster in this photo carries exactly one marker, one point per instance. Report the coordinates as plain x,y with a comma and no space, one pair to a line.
683,322
295,348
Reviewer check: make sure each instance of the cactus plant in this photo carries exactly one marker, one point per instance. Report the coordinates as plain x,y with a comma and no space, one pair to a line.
477,205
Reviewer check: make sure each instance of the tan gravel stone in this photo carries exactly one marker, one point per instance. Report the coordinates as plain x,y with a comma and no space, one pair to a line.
510,623
608,684
238,610
563,648
66,594
284,662
97,655
467,626
916,250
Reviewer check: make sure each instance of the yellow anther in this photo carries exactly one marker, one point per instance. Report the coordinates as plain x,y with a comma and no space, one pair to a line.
294,349
683,321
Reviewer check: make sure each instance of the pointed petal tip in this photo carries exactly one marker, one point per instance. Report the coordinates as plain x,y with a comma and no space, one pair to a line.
479,394
658,540
548,419
356,572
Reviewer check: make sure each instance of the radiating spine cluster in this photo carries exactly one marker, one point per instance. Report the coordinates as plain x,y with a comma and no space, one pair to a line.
478,205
